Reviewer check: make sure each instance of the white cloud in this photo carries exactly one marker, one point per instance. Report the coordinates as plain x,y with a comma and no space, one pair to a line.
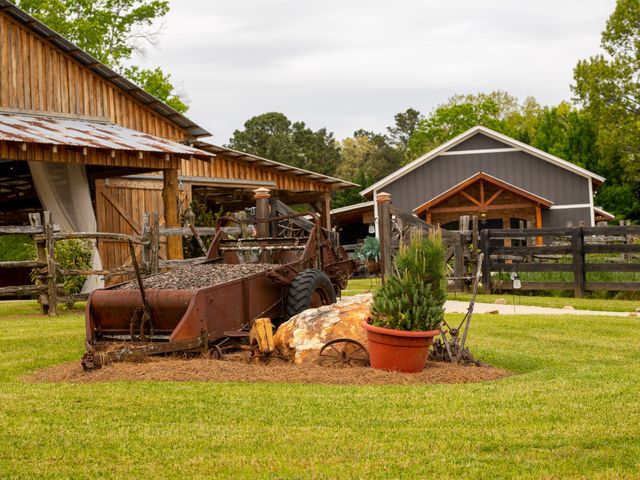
354,64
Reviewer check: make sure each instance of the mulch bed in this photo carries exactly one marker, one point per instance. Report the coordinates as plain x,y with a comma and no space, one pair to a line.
193,277
235,369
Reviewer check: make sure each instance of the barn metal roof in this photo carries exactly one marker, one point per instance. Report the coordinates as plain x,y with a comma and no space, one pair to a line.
100,69
335,183
86,133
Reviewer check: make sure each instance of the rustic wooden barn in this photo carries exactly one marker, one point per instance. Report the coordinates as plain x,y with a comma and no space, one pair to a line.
60,105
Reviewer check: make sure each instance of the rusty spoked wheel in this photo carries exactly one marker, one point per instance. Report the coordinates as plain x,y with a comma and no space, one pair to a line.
343,352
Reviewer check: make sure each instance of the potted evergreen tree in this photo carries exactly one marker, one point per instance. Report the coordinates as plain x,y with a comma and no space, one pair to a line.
407,309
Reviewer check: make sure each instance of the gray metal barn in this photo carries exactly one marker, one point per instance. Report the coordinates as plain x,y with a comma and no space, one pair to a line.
485,173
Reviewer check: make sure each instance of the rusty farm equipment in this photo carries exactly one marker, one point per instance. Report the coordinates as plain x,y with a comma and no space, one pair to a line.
291,264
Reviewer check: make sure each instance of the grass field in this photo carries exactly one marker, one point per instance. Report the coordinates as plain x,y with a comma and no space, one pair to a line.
360,285
571,410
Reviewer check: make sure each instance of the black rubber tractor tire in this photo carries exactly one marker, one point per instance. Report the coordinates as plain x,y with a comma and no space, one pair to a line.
310,289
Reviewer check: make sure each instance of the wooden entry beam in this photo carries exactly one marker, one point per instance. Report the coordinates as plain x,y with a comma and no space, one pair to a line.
480,209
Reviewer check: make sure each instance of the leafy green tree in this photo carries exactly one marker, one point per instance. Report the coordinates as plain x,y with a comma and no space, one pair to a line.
496,110
112,31
406,123
272,135
158,84
365,158
608,87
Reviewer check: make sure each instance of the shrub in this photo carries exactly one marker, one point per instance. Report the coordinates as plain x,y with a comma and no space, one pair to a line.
413,298
73,255
369,251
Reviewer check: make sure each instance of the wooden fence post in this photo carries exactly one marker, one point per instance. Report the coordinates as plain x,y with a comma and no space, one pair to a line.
577,245
35,219
474,234
486,262
458,261
384,232
50,245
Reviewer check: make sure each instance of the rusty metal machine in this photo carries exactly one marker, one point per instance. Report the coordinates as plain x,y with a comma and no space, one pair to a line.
291,264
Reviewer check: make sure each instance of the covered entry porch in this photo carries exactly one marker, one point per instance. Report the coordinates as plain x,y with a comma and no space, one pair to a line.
498,204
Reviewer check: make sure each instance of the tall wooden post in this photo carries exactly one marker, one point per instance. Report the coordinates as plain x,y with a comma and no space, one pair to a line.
486,262
36,221
325,221
50,245
539,240
577,244
263,210
171,199
262,196
384,232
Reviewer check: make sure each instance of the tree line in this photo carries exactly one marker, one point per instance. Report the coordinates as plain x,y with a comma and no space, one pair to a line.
598,130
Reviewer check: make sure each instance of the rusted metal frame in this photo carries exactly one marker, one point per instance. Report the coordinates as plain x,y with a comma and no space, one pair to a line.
198,239
135,351
145,301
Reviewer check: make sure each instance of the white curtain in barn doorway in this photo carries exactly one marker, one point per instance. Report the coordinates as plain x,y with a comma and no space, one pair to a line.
63,189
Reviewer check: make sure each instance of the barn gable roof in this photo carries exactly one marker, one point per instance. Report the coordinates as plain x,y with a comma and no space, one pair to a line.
490,179
510,144
102,70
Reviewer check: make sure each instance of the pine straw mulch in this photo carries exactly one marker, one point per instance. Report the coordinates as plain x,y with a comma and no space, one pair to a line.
237,370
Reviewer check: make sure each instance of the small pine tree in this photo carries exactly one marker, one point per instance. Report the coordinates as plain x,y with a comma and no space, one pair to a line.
414,298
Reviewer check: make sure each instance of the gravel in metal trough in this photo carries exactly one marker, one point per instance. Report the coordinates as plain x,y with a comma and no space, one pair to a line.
197,276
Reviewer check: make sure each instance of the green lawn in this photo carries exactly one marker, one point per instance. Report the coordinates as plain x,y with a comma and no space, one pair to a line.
571,410
360,285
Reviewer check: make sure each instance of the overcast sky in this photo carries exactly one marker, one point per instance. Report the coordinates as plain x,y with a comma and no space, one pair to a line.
353,64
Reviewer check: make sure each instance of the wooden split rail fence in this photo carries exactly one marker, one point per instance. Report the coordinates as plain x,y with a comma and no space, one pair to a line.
47,270
561,250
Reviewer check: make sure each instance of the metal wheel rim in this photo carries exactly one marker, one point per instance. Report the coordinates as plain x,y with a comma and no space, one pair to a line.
343,352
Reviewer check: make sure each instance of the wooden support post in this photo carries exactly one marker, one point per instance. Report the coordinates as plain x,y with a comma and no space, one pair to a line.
325,208
171,200
463,222
50,244
36,221
539,240
262,196
577,244
384,232
475,233
263,209
486,262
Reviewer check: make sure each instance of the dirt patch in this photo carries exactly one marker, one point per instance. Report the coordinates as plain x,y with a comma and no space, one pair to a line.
193,277
237,370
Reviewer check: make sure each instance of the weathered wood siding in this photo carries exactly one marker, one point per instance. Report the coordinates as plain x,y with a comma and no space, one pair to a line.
44,153
35,75
223,166
120,206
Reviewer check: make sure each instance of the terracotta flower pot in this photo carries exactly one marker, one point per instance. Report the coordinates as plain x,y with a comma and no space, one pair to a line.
398,350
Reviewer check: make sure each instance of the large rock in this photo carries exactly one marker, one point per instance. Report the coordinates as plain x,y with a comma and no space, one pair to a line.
302,336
